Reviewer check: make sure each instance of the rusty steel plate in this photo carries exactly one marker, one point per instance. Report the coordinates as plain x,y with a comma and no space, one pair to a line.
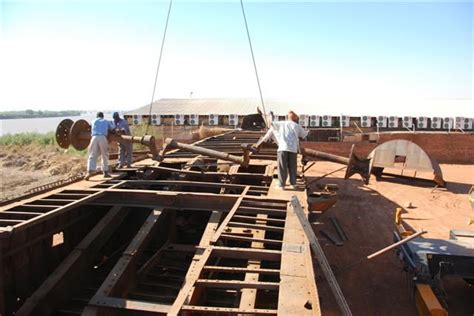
80,134
62,133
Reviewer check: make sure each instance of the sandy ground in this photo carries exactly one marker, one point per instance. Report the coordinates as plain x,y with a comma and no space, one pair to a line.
380,286
26,167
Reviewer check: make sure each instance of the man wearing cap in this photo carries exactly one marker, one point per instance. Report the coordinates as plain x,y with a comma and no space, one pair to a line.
99,145
286,135
125,148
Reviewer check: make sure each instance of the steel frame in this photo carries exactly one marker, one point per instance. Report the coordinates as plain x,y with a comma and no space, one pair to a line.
166,238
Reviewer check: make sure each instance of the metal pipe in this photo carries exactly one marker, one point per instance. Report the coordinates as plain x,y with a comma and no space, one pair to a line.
354,164
324,156
173,144
147,140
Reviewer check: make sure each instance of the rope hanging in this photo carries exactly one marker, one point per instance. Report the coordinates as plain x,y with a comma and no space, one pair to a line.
158,67
161,54
254,63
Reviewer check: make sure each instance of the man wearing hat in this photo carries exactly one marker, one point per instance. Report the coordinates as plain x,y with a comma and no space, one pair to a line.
99,146
286,134
125,148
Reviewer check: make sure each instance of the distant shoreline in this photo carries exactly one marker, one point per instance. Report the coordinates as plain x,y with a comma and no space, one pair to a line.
8,115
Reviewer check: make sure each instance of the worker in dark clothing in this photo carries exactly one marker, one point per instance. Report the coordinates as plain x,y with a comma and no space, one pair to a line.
125,147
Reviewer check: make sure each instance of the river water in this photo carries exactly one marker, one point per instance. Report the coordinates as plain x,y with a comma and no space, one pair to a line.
39,125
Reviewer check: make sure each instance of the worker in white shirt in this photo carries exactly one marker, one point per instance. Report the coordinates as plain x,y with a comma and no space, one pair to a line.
286,135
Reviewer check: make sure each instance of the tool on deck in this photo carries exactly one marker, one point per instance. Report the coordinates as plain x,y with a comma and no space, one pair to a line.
335,240
338,227
401,242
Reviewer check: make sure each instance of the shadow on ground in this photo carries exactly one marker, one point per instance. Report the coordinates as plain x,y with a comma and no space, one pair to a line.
371,287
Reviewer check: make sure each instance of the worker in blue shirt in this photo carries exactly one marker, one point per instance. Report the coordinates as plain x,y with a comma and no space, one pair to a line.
99,145
125,147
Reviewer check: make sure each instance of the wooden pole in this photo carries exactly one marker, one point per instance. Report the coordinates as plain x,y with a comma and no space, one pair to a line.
401,242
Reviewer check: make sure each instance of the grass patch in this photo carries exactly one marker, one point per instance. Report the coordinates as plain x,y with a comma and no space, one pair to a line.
33,138
140,130
28,139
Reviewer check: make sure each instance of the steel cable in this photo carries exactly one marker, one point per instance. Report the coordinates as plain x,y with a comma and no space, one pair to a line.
254,63
158,67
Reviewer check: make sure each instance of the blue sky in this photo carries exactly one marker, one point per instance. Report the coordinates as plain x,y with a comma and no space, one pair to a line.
103,54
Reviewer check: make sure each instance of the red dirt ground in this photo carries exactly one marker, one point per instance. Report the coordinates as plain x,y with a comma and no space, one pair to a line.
366,213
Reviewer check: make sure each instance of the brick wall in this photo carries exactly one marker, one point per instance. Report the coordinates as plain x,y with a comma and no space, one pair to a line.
455,148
